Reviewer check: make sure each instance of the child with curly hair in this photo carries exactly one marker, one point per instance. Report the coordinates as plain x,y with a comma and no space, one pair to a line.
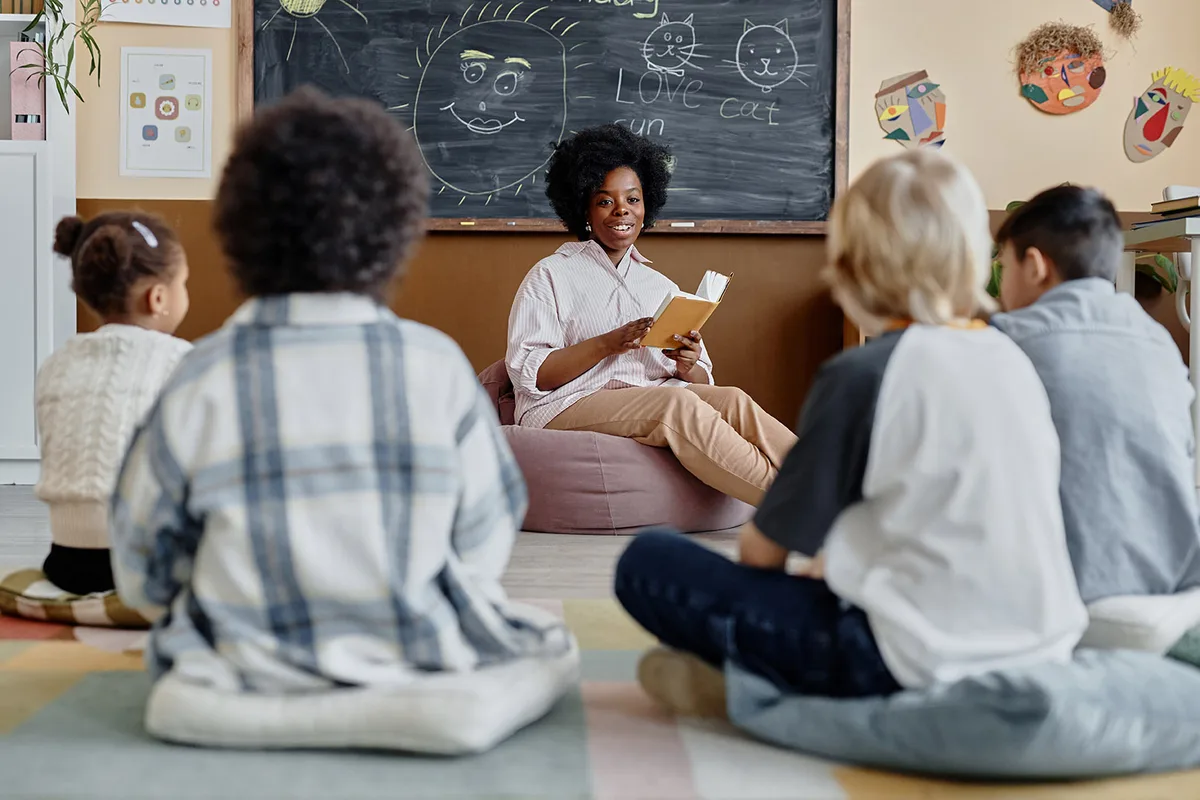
574,333
130,270
322,501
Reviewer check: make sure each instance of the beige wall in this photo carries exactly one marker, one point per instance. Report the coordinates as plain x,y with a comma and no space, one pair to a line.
1014,149
98,124
966,45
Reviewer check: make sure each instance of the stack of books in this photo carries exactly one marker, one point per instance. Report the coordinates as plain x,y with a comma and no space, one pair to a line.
1169,210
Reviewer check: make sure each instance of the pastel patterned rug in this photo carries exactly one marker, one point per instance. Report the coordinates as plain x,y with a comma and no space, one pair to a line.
70,727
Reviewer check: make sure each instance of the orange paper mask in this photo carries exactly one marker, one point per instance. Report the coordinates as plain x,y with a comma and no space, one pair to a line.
1064,82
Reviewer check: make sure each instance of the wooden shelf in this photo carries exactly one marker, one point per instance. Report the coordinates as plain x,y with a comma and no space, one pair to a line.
11,147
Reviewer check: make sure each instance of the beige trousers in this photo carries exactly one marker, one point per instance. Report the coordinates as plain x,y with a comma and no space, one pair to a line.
718,433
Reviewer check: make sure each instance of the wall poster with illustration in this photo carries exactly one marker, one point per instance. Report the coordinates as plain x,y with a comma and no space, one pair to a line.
166,112
750,95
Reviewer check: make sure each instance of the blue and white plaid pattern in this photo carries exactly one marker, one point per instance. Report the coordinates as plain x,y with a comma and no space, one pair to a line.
322,497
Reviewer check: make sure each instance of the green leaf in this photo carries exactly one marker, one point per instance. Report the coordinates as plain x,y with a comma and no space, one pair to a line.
1151,272
62,95
94,53
1161,268
993,287
1168,268
1013,206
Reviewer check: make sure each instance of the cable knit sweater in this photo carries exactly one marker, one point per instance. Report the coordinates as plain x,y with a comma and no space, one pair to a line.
91,395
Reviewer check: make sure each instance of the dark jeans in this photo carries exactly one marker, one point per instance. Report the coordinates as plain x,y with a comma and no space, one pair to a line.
79,570
793,631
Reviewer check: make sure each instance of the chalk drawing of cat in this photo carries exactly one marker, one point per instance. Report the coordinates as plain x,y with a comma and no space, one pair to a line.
766,56
671,46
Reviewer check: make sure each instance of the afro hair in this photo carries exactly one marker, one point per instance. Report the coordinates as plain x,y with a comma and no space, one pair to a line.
320,195
580,164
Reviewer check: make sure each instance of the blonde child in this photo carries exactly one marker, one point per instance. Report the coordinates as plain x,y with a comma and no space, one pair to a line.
131,271
925,474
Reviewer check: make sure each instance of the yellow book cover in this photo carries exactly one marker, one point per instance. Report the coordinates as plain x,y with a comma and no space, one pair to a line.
682,313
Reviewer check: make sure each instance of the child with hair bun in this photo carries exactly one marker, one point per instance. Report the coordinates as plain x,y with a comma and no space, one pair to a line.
130,270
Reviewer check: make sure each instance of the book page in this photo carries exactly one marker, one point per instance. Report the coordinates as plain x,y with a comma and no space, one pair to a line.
712,286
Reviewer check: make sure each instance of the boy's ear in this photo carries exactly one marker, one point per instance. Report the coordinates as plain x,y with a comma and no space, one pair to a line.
1039,267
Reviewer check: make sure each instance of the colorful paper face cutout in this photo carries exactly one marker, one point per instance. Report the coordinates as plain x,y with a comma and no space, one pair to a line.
912,110
1159,114
1064,82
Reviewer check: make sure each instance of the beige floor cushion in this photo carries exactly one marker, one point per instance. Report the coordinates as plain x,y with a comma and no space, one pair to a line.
26,593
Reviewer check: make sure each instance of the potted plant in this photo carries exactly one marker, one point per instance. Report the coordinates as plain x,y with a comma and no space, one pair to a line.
44,61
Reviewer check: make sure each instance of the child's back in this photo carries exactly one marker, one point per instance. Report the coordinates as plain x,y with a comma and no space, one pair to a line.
1121,401
92,392
350,503
322,497
954,548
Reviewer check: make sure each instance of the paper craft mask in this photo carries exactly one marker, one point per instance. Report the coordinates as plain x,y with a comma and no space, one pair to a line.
1061,67
1159,113
1064,82
912,110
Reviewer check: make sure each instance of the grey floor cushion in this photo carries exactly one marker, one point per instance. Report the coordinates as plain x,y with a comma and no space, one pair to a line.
1105,713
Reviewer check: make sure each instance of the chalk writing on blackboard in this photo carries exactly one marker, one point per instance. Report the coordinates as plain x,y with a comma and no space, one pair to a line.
309,9
766,56
492,97
671,46
489,87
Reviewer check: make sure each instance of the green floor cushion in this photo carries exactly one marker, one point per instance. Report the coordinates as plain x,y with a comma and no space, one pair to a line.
27,594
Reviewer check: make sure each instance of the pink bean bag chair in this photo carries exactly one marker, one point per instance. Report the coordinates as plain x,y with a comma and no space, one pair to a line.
581,482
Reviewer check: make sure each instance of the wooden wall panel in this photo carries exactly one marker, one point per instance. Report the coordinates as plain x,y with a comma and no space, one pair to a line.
772,332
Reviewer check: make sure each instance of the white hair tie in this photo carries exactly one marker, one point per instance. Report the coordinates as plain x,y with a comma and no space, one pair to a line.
146,233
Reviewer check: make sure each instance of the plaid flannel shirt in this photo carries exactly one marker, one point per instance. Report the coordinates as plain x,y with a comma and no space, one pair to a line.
322,497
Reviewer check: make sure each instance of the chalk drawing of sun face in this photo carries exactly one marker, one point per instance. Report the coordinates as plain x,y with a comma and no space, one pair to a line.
491,99
308,9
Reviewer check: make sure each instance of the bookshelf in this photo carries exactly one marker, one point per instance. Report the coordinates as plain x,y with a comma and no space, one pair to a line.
37,307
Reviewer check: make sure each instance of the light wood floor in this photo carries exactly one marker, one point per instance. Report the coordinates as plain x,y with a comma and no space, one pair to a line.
543,565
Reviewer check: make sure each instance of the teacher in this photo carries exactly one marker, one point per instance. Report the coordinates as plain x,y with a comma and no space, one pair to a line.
574,352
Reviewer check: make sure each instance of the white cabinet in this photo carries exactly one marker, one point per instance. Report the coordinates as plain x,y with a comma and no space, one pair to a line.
37,307
26,299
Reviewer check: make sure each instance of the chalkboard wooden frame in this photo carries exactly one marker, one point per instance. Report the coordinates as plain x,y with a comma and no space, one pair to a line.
244,28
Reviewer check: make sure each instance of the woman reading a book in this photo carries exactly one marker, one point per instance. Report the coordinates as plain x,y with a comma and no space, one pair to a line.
574,335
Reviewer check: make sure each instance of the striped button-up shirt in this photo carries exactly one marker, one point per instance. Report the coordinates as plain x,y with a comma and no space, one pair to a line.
322,497
577,294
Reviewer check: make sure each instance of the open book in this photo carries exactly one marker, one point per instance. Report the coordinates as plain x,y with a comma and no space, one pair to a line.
681,313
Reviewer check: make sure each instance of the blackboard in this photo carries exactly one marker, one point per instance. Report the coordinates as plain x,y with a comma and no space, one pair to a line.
749,94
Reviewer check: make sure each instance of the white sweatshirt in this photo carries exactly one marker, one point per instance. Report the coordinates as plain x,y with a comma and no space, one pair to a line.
91,394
